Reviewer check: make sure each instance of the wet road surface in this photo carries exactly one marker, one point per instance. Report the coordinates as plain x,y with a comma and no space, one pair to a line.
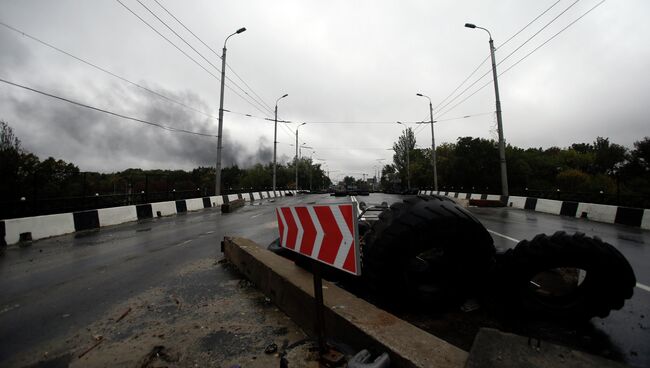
62,284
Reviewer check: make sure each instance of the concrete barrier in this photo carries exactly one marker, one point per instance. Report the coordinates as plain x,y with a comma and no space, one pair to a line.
232,205
194,204
217,201
40,226
475,196
264,195
645,222
493,197
597,212
164,208
347,318
549,206
516,202
232,197
256,196
116,215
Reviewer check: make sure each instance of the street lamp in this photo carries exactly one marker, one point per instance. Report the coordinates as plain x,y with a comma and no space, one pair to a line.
433,144
502,145
408,161
297,154
275,140
217,184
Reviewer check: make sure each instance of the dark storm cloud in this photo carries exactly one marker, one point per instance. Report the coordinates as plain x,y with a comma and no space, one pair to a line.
98,141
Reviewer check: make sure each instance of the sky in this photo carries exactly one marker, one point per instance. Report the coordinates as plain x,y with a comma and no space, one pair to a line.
351,71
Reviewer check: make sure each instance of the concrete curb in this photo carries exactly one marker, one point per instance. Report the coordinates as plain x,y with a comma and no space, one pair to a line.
347,318
47,226
636,217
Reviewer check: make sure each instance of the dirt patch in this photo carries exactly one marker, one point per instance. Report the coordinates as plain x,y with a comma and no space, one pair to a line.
191,323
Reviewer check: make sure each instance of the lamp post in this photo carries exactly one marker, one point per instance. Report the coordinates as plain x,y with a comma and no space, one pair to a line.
408,162
433,144
275,141
297,154
217,183
502,145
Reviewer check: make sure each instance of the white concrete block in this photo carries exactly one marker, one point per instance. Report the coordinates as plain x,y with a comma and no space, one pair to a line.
517,202
194,204
597,212
256,196
116,215
232,197
550,206
216,201
264,195
645,221
165,208
494,197
462,195
40,226
475,196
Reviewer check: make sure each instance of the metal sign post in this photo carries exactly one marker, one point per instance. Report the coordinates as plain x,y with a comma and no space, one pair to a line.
325,234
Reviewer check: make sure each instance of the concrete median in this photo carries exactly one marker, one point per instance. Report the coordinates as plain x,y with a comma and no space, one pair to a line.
347,318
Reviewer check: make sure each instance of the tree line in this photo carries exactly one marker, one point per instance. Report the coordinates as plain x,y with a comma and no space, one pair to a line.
472,164
25,177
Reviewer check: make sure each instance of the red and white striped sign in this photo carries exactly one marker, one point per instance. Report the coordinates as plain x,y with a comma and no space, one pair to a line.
326,233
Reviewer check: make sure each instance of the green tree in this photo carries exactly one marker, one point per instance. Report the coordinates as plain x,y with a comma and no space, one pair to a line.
403,150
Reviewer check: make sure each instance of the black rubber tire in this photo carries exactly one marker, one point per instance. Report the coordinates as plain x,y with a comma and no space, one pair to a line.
434,233
608,282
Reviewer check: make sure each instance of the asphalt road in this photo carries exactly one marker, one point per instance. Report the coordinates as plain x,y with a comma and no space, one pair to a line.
62,284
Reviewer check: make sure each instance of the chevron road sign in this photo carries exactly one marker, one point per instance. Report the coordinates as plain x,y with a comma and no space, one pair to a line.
326,233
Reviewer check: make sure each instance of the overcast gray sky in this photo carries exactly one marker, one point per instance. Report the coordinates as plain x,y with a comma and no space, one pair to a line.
339,61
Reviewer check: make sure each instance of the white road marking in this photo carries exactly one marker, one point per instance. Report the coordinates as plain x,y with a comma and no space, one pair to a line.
183,243
503,236
638,284
9,307
643,287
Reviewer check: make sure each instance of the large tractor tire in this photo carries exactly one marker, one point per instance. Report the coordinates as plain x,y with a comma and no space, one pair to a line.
567,277
429,248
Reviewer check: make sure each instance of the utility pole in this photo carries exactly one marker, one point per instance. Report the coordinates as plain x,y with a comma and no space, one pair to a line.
275,141
433,144
217,181
502,144
297,154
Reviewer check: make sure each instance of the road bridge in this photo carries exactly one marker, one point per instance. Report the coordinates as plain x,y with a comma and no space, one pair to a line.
63,284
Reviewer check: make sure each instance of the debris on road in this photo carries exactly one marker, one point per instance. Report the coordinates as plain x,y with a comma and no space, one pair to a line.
99,341
271,349
123,315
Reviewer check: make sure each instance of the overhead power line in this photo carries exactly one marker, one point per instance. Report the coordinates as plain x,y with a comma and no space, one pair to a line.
525,56
104,70
214,52
80,104
488,56
186,54
196,51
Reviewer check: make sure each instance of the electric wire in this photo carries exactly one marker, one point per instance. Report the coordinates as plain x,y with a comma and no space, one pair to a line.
488,56
104,70
214,52
184,53
525,56
194,49
80,104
